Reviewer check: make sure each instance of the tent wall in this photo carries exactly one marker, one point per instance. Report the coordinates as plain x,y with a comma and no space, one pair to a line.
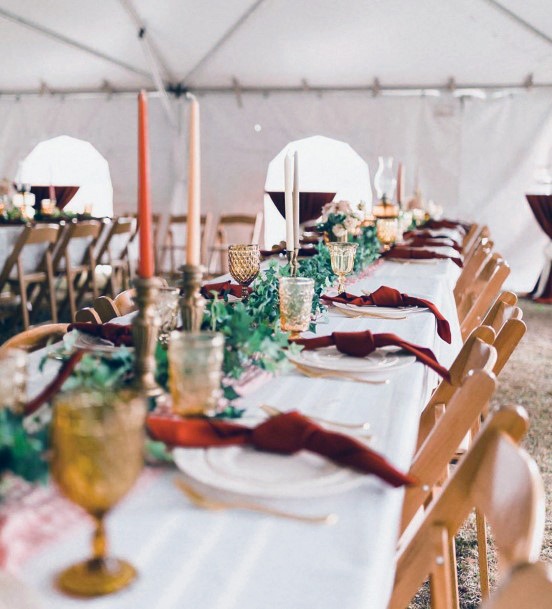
474,157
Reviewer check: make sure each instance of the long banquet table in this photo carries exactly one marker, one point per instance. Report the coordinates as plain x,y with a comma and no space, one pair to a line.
188,557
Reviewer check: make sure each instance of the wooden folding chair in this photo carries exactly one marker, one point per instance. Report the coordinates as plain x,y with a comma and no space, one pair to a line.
500,479
248,225
88,231
175,248
19,279
526,586
481,294
114,253
35,338
472,267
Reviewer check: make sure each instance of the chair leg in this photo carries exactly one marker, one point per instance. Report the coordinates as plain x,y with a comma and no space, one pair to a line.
440,579
24,304
71,295
480,523
51,287
453,574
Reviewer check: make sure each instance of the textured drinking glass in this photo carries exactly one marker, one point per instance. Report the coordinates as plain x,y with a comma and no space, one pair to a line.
97,442
195,371
244,264
342,258
296,295
167,304
387,230
13,380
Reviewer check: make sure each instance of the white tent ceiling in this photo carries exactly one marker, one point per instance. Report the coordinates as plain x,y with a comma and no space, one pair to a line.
273,43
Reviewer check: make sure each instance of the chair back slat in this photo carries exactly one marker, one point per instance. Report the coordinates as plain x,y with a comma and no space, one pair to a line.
527,586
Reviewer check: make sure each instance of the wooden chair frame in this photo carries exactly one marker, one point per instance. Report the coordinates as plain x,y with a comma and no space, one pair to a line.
35,338
119,266
220,246
501,480
170,247
527,586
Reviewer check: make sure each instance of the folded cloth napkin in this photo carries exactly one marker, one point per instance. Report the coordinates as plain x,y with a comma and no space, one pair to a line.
51,389
430,233
402,252
465,226
433,242
118,334
361,344
222,288
385,296
281,249
286,433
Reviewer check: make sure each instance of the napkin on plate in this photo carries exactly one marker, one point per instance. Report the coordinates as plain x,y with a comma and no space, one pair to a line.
417,241
54,386
286,434
401,252
361,344
385,296
118,334
447,224
222,288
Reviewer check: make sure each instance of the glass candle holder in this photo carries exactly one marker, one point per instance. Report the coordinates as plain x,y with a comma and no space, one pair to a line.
195,372
296,294
47,207
13,380
97,442
342,258
387,230
167,304
244,262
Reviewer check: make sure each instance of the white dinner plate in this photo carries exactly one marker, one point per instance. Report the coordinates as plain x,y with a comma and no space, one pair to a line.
246,471
380,362
394,312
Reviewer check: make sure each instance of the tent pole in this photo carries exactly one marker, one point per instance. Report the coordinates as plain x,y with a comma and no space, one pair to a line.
70,42
223,39
519,20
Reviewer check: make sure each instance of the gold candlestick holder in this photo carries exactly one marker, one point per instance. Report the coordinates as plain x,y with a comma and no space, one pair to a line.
145,328
293,259
192,303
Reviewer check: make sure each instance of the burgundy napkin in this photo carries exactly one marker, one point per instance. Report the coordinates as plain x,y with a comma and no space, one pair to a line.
50,390
361,344
433,242
447,224
429,233
116,333
402,252
222,288
286,433
385,296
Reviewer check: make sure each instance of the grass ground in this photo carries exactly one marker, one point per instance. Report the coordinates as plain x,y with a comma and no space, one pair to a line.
526,380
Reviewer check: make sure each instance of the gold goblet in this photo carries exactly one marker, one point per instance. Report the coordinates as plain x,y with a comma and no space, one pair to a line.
387,231
244,262
342,257
97,441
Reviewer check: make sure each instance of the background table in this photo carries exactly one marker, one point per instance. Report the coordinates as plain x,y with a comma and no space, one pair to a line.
225,560
541,205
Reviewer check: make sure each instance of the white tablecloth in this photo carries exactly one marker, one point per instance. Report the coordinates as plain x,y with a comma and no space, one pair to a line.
228,560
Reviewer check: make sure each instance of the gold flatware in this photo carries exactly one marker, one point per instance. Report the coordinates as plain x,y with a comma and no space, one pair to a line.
357,315
336,375
208,503
272,412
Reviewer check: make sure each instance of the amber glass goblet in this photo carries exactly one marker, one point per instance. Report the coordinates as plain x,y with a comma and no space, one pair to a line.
97,441
244,263
296,294
387,232
342,258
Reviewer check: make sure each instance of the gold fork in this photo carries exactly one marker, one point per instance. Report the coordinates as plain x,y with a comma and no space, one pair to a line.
208,503
316,374
272,412
356,315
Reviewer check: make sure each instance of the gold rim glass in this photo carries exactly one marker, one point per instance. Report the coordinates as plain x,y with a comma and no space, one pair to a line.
342,257
387,231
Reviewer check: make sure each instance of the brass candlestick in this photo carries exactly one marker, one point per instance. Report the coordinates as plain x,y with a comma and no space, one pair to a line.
192,303
293,259
145,328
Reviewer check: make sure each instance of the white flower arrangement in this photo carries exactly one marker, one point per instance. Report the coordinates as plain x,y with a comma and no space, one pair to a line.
340,218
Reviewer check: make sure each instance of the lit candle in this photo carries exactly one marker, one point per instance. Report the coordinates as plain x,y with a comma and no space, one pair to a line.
193,242
145,264
296,233
289,203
